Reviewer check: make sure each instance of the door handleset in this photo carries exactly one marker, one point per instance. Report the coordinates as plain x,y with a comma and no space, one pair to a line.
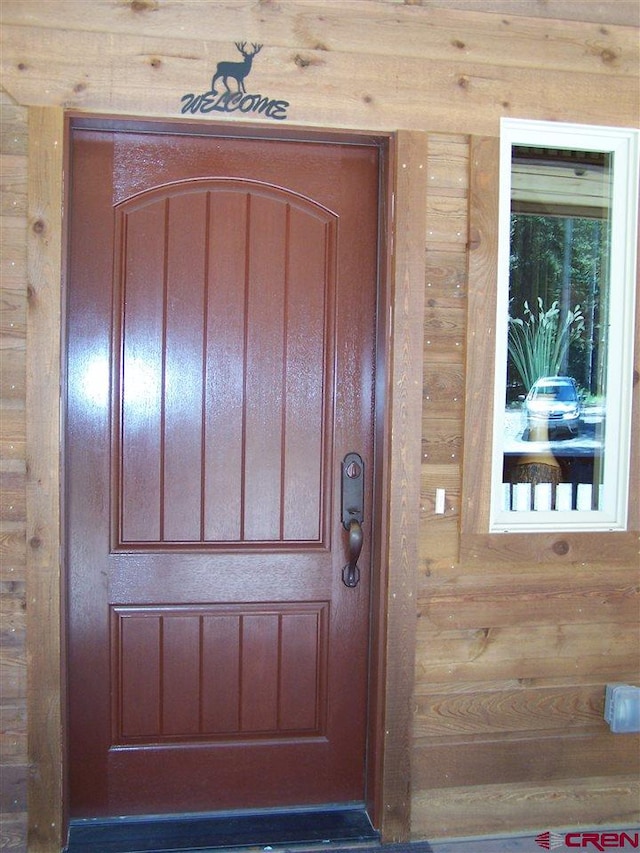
352,514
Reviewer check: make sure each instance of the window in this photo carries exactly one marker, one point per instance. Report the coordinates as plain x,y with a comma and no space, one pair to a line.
564,327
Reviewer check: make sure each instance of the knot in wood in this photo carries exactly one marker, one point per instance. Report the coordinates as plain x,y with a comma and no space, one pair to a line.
608,56
144,5
561,547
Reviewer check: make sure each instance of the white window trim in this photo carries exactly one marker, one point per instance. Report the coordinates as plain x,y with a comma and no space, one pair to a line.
624,145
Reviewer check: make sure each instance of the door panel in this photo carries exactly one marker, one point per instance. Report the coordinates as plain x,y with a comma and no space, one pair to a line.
201,404
221,343
212,671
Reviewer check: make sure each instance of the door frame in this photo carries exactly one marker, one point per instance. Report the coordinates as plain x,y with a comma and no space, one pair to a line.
398,458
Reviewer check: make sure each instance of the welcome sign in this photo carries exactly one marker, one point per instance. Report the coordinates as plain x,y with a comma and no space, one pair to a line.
228,92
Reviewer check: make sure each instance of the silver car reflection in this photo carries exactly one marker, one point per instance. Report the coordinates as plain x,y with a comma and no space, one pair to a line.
552,406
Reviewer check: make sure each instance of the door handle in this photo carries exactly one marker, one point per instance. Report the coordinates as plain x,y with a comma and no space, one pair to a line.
352,514
351,572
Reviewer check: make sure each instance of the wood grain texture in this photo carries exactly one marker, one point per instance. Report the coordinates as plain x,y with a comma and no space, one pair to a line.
446,276
13,288
514,759
565,594
421,29
13,182
523,709
444,385
12,433
446,219
447,477
625,12
436,66
12,485
12,318
442,440
13,127
13,731
509,808
13,835
455,96
620,547
43,484
404,475
479,368
529,651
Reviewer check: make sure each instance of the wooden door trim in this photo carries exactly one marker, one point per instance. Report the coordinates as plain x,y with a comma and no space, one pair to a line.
398,487
400,469
43,489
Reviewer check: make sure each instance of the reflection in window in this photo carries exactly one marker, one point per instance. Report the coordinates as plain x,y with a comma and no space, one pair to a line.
563,384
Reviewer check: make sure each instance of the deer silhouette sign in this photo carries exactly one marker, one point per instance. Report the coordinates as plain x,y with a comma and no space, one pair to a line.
236,70
236,100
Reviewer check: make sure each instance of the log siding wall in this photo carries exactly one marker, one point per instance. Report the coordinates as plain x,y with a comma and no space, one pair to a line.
511,655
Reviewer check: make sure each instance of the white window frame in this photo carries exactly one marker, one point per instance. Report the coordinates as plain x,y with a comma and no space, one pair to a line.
623,144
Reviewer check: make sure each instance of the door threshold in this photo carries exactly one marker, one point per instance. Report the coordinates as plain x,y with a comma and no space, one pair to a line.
221,830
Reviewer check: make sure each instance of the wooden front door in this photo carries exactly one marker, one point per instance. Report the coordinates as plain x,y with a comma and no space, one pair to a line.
221,313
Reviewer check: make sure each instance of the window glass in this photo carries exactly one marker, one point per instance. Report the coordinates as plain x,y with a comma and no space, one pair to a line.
563,380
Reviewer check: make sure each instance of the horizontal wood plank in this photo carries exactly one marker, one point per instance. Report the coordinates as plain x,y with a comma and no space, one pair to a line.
13,184
439,543
12,614
12,269
13,375
529,651
444,332
470,601
13,127
13,788
445,477
448,163
401,29
13,832
523,709
441,440
454,97
12,488
619,547
444,384
13,309
13,674
446,220
13,732
12,551
525,807
446,277
12,433
623,12
514,759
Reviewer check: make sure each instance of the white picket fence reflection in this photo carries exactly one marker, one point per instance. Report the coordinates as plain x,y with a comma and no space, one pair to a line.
542,497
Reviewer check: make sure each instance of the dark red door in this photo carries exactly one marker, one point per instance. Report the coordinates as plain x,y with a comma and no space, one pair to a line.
221,344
